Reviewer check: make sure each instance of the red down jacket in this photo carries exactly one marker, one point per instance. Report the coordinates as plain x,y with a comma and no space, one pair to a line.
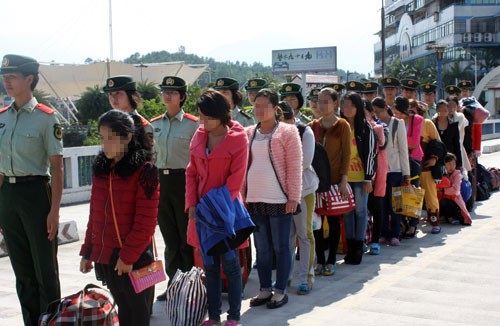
135,201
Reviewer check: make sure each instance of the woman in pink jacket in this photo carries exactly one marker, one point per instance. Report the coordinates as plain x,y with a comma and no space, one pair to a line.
451,203
272,193
218,157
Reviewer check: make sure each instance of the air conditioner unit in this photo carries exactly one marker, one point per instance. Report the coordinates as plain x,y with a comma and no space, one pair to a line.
467,37
478,37
488,37
436,16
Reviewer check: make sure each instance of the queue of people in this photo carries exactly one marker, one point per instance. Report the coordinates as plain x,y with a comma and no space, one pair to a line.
158,172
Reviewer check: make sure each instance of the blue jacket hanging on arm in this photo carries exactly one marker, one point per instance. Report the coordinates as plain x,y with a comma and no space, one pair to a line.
222,224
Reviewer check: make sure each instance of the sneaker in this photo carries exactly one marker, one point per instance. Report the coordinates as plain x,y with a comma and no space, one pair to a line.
318,270
436,230
395,242
375,249
210,323
382,240
232,323
329,269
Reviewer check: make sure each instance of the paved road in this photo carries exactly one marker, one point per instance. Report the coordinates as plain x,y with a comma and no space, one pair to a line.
447,279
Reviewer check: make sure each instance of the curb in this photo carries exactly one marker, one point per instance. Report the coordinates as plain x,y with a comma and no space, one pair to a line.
68,232
488,149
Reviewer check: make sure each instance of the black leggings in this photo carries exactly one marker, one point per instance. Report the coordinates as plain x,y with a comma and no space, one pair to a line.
332,242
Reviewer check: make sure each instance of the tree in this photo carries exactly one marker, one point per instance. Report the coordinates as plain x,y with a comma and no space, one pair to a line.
41,97
149,90
88,61
151,108
92,104
182,49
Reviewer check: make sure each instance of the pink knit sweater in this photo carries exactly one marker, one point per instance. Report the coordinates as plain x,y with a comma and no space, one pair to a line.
286,155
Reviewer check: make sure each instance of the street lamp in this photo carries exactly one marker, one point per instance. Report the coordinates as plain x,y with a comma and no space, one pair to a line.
141,65
475,67
439,49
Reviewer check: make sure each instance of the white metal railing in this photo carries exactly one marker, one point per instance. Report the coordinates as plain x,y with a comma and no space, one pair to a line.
78,173
78,166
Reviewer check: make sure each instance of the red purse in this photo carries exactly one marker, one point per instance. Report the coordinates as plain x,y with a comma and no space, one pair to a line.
331,203
146,276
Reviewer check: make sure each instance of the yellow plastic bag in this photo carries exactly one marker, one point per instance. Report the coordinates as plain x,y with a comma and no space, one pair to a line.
408,201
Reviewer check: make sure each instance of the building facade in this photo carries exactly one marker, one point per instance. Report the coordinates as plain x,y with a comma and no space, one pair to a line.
469,29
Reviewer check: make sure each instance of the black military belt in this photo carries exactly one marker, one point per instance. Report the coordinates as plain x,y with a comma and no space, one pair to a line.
29,178
172,171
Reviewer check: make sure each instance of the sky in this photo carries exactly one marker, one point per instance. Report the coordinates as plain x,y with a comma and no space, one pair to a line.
70,31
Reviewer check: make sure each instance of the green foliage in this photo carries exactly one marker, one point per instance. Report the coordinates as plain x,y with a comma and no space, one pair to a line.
41,97
151,108
307,111
192,95
92,104
149,90
92,135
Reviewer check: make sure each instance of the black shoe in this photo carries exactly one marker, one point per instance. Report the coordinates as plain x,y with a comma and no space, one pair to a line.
255,302
276,304
162,297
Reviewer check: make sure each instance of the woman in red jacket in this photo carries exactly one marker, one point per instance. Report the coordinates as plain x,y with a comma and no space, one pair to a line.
219,155
125,186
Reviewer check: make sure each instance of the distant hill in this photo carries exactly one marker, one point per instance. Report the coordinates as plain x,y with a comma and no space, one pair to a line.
241,71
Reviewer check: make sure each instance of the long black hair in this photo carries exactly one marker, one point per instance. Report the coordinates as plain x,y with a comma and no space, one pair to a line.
138,149
360,122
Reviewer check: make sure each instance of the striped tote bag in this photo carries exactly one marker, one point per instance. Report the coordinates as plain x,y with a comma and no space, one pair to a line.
186,303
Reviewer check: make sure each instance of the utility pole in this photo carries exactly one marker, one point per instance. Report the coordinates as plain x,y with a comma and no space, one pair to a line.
382,37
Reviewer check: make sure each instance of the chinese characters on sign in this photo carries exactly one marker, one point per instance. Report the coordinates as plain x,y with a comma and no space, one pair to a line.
304,60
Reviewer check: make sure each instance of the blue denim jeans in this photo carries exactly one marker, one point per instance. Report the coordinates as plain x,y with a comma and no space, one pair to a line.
394,179
213,282
355,221
273,232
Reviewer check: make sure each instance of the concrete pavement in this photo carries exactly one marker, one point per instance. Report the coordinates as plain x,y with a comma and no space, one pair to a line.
446,279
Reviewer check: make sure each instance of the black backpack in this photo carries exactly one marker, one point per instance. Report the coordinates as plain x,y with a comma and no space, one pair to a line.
320,162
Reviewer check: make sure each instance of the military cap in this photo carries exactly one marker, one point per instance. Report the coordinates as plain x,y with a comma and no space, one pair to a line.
256,84
226,83
119,83
290,89
354,86
429,88
452,90
390,82
410,84
313,94
465,84
336,86
173,83
19,63
370,87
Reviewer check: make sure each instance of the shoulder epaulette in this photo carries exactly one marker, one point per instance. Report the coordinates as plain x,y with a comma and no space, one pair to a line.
144,121
45,108
246,114
157,118
4,109
191,117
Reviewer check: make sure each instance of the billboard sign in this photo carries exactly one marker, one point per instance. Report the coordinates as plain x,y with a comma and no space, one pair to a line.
304,60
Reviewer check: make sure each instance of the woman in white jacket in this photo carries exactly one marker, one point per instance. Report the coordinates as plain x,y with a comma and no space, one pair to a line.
302,226
398,168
